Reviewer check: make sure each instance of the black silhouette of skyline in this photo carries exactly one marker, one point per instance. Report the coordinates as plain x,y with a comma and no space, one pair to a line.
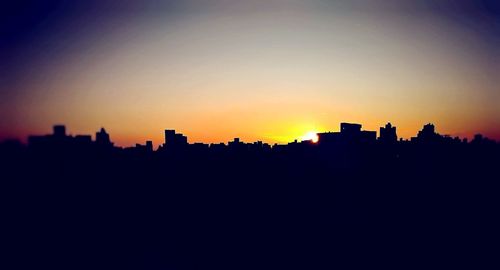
350,200
349,132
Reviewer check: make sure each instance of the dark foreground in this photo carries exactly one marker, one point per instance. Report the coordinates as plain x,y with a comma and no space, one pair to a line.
419,207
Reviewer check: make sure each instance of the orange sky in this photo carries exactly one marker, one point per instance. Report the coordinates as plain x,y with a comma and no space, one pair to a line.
264,71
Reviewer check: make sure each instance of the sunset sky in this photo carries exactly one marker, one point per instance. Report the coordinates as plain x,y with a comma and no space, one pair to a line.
259,70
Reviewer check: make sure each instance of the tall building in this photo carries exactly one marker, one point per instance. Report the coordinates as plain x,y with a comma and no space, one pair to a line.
169,136
174,140
353,133
428,129
102,138
59,131
235,143
428,134
149,146
349,128
388,134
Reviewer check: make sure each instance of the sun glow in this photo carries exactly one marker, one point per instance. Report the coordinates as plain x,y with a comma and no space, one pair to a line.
311,136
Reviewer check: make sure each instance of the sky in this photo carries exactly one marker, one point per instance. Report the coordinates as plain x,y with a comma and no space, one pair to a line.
270,70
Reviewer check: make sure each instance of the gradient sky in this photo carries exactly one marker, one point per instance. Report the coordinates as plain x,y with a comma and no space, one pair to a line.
258,70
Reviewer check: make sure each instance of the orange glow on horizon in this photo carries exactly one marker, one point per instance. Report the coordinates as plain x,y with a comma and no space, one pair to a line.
311,136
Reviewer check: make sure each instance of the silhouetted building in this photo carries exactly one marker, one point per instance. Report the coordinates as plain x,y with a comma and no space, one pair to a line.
478,138
169,136
59,131
428,129
149,146
352,133
427,134
55,141
235,142
328,138
349,133
259,146
102,138
174,140
349,128
388,134
141,148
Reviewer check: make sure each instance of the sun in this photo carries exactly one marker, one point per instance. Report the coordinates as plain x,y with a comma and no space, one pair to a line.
311,136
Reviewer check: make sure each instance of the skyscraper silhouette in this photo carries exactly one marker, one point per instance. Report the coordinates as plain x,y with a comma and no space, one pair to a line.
102,138
388,134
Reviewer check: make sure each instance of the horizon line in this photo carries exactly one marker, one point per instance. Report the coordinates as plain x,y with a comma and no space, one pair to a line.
93,136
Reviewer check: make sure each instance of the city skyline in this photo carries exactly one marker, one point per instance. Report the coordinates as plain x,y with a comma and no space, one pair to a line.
386,134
